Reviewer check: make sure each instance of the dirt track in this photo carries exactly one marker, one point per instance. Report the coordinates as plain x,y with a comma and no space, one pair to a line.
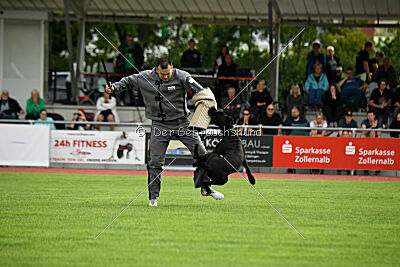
190,174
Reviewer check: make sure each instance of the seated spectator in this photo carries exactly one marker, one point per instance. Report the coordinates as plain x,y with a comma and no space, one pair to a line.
395,125
229,69
396,101
349,123
106,110
44,120
371,123
34,105
333,105
259,99
246,120
270,118
233,104
387,72
295,98
351,87
9,107
373,63
316,83
80,118
191,58
362,59
315,58
319,122
333,66
295,120
220,59
381,99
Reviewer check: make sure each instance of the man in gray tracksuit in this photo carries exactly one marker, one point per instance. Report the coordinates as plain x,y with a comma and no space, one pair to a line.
164,90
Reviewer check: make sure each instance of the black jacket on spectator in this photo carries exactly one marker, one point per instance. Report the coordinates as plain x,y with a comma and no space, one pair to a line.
362,56
191,59
14,107
137,55
257,97
332,108
390,76
379,98
233,111
395,125
292,101
275,120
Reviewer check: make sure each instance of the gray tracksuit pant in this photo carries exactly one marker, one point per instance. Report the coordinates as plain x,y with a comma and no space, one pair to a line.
161,134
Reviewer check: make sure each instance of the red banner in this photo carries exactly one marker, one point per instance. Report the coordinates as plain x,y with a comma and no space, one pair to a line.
336,153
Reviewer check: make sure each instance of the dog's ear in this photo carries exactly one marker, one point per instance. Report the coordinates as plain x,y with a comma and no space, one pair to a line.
211,111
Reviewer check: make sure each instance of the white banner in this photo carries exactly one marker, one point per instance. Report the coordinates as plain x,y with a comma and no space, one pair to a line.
97,147
24,145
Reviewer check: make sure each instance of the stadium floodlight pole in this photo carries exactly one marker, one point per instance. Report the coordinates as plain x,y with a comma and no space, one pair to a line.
119,52
133,200
266,66
280,214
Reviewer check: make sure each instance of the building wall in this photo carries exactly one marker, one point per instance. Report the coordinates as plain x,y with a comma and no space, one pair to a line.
22,53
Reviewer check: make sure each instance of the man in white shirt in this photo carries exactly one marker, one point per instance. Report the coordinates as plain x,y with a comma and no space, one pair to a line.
106,110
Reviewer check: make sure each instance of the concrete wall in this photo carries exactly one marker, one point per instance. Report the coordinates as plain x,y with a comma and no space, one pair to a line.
22,53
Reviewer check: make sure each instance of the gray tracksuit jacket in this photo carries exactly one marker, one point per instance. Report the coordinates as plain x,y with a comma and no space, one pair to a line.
164,101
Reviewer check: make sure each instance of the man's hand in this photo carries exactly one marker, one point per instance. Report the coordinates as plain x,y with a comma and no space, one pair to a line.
109,89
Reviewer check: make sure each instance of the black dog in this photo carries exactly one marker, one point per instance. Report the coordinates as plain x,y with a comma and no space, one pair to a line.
228,156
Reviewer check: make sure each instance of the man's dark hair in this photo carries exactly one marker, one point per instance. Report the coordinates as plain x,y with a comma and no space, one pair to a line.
379,54
191,40
368,44
349,68
371,111
382,80
163,62
43,110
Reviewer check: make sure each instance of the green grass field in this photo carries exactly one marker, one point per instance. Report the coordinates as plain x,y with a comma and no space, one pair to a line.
52,219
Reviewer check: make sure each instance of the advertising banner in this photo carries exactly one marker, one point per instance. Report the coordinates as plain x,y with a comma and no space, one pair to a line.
24,145
336,153
97,147
258,148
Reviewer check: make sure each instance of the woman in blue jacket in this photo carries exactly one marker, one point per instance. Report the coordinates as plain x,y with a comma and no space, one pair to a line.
315,84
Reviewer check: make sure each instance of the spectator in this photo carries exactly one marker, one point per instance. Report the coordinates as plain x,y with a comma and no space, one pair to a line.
220,59
396,101
373,63
387,72
132,57
34,105
106,110
270,118
316,83
319,122
332,105
295,98
259,99
362,59
233,104
191,58
315,58
9,107
381,99
351,87
395,125
295,120
246,120
225,70
80,117
349,123
333,66
371,123
44,120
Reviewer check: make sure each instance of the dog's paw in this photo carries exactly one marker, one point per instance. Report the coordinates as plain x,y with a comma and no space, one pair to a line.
211,111
252,180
